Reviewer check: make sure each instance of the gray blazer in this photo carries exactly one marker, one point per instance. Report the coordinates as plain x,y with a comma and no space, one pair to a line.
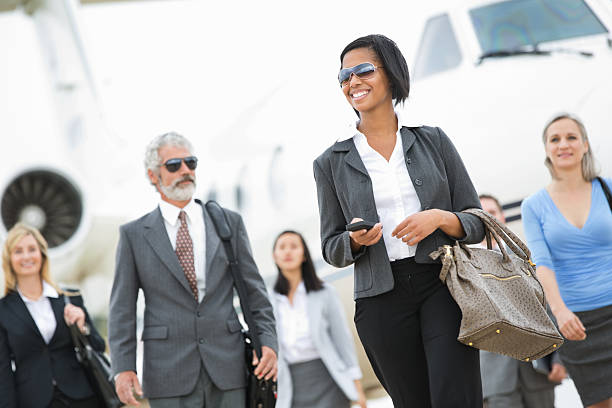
500,374
179,335
345,191
332,338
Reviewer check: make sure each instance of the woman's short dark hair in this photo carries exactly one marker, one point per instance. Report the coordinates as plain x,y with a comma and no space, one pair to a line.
392,60
309,276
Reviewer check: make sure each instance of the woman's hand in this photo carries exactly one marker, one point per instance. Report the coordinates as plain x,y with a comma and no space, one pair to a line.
74,314
365,237
557,373
361,398
418,226
570,325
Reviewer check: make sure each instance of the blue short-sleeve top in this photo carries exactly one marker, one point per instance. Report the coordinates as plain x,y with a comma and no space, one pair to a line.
580,257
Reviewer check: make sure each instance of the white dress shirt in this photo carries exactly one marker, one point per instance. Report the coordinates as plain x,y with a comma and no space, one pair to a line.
394,193
295,338
195,225
42,312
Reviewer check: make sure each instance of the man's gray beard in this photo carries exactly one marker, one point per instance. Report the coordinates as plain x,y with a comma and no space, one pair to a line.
176,192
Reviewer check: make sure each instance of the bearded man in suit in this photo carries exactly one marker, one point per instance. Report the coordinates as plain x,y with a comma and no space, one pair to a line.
193,346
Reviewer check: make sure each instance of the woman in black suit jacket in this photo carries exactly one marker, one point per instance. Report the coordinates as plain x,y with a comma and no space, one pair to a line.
38,367
410,182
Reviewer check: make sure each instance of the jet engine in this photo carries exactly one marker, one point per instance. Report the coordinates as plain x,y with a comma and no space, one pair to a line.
51,201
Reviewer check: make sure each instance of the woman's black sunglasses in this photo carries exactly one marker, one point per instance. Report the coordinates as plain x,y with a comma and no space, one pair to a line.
173,165
363,71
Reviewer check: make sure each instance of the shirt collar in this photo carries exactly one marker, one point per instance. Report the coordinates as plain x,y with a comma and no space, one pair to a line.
300,289
48,291
352,131
171,212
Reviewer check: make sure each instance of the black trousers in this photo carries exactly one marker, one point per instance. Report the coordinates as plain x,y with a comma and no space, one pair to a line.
410,337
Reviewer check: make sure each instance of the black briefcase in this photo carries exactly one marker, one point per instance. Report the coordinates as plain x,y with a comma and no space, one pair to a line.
96,366
260,393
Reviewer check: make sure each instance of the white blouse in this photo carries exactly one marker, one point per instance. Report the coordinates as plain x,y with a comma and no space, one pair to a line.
394,193
294,327
42,312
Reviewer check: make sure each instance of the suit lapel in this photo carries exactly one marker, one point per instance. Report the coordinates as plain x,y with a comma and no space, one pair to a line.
352,157
408,138
213,242
156,235
57,304
313,308
18,307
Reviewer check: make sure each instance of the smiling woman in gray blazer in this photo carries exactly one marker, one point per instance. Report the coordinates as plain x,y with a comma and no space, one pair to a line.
410,182
317,365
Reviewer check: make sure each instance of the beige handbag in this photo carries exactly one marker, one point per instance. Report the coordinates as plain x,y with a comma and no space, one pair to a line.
502,302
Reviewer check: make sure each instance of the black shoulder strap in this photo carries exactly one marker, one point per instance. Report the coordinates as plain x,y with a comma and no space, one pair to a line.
223,229
606,190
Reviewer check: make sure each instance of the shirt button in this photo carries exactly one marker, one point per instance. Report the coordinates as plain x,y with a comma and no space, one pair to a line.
407,160
418,182
201,341
198,314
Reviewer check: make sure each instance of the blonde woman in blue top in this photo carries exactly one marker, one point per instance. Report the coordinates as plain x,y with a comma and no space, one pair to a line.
568,226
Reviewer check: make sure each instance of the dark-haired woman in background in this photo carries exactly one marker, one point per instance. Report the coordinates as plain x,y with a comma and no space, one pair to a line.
413,184
317,366
34,331
568,226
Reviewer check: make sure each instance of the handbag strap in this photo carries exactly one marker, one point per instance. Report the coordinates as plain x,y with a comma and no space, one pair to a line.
79,341
514,242
606,191
222,227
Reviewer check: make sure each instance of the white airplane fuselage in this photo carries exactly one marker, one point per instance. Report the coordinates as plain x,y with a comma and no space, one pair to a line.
493,111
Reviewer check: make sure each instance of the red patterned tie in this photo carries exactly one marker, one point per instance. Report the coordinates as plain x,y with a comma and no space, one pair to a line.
184,252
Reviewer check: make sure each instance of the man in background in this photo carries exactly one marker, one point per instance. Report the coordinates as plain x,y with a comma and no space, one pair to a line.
510,383
193,346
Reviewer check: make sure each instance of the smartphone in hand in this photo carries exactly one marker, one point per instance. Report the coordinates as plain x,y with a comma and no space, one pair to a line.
359,225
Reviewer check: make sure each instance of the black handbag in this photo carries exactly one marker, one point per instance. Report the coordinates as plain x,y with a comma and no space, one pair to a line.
260,393
96,365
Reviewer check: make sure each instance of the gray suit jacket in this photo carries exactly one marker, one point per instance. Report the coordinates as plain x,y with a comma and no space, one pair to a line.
332,338
345,191
500,374
179,334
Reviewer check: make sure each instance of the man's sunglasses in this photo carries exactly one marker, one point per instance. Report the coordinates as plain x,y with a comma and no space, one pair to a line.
173,165
362,71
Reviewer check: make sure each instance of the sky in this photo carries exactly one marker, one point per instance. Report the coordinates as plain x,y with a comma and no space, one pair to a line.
190,62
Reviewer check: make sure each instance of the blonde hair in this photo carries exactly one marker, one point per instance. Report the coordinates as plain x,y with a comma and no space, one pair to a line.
589,169
13,236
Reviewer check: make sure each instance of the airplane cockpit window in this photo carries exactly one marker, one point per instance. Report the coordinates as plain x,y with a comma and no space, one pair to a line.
439,50
511,25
